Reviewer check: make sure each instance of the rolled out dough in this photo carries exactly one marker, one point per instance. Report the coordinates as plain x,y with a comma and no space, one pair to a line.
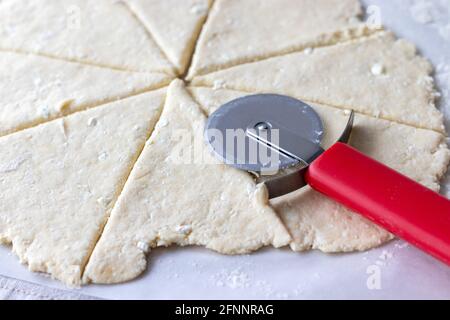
314,221
100,32
179,194
241,31
64,179
178,39
59,182
37,89
379,76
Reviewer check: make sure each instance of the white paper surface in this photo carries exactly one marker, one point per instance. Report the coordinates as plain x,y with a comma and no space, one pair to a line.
395,271
195,273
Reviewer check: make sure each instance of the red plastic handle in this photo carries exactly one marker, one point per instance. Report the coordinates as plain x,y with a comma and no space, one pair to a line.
384,196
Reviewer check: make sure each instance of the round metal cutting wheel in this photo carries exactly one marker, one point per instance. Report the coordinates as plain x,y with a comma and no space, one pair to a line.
285,122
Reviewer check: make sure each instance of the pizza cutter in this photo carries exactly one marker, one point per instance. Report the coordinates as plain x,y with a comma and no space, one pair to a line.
266,133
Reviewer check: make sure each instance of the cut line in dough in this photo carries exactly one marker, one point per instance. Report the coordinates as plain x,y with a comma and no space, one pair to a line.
70,30
60,180
402,91
179,194
176,40
316,222
36,89
243,31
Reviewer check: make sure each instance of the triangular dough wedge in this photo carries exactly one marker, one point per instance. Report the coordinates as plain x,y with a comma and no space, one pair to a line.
100,32
184,200
178,36
241,31
378,76
316,222
60,180
37,89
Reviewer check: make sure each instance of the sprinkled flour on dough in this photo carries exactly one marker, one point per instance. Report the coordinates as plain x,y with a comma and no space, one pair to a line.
199,9
377,69
219,84
143,246
13,165
184,229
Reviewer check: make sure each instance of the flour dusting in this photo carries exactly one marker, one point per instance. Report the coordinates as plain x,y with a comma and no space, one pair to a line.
14,164
435,13
234,279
